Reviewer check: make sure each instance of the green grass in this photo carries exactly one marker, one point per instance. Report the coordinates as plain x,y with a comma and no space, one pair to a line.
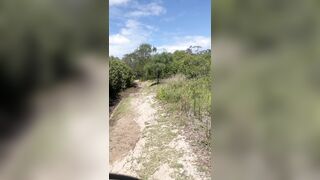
122,108
190,95
189,103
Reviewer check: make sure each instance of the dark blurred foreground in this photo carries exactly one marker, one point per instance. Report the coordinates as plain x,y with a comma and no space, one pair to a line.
53,81
266,89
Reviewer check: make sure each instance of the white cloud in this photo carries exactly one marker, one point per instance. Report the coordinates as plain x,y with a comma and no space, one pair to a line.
118,39
118,2
151,9
129,38
134,32
182,43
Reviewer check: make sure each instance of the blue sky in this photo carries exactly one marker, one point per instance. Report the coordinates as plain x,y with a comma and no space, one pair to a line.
167,24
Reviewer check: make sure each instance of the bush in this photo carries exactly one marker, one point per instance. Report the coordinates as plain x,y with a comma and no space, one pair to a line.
169,94
192,96
121,76
196,66
159,67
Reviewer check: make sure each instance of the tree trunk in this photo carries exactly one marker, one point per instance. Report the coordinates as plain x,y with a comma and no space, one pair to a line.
158,78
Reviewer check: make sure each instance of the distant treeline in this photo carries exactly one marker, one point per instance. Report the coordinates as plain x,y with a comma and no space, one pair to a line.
145,63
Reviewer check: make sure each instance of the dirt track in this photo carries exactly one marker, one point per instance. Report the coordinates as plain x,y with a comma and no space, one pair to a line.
146,143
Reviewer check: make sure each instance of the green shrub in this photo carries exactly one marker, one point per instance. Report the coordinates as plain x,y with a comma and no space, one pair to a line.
158,67
120,77
169,94
192,95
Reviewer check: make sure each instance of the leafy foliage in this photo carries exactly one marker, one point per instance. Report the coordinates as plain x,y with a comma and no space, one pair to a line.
148,64
188,71
191,96
121,76
193,65
159,67
186,77
139,58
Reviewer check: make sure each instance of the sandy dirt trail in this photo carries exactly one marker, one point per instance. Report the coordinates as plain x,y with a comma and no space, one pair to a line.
144,142
125,137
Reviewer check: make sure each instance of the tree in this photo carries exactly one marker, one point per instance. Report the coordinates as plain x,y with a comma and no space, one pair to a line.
178,58
192,65
130,60
121,76
155,70
139,58
159,67
196,66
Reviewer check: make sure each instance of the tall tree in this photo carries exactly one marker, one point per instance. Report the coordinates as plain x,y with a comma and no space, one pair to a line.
139,58
159,67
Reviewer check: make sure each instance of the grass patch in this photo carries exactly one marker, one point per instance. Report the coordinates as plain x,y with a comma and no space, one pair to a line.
188,103
122,109
189,96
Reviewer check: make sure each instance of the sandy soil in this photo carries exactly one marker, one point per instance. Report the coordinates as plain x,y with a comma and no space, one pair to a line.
126,131
161,150
125,136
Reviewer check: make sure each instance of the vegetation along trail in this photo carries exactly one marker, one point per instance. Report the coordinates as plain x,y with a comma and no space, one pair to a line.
160,128
146,142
